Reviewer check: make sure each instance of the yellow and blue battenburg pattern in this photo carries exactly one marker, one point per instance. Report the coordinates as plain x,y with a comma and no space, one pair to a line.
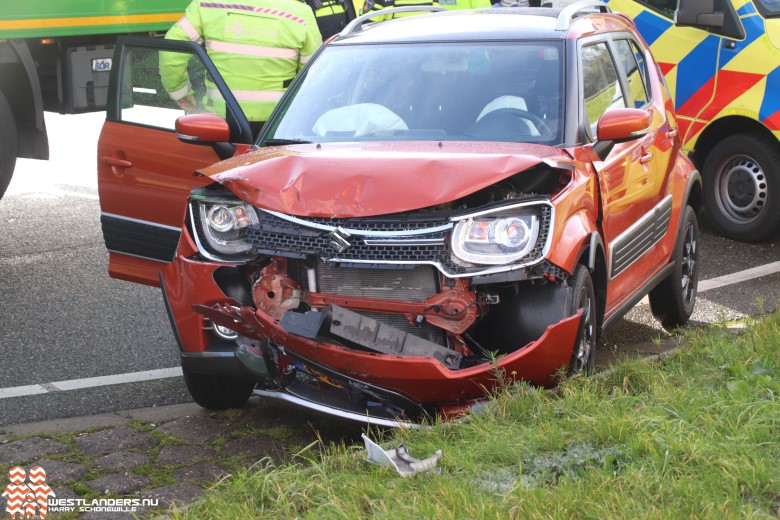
713,76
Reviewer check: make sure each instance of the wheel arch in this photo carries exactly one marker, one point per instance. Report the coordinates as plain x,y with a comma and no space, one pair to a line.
595,258
722,128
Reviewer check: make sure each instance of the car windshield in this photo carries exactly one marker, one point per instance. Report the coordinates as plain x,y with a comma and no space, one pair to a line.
769,8
508,91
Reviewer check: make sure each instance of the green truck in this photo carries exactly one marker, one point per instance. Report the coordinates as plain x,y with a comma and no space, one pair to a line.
55,55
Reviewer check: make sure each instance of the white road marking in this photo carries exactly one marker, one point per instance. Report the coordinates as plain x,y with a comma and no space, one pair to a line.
740,276
163,373
90,382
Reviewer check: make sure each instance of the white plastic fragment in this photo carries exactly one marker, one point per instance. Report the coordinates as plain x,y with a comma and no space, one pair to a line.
399,458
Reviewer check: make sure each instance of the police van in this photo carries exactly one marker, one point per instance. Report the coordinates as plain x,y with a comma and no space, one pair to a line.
721,61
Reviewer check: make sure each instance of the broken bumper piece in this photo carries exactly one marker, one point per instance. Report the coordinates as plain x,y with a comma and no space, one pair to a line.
399,458
360,371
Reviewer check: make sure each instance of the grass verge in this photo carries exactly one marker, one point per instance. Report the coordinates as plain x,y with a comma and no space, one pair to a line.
692,435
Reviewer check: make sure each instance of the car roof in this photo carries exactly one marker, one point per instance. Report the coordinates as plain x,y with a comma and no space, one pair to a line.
494,24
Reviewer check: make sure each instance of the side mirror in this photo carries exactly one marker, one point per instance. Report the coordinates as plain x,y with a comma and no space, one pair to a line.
623,124
619,125
202,129
698,13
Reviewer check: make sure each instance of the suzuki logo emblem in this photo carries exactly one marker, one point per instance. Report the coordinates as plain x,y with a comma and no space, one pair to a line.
338,239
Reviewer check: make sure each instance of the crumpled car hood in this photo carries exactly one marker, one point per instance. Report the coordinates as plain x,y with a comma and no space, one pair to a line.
341,180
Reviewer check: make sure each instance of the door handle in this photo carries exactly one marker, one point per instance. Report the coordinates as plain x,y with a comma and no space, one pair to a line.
646,158
117,164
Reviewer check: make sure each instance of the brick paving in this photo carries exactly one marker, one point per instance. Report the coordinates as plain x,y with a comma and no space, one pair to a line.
169,454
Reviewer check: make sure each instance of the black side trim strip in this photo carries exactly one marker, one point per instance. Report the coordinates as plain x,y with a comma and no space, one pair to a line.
140,239
630,303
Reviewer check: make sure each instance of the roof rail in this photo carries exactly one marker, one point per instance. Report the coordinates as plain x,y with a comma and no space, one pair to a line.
356,25
569,12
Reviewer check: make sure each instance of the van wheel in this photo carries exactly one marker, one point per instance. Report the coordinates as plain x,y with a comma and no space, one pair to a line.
217,392
583,296
8,144
742,187
672,300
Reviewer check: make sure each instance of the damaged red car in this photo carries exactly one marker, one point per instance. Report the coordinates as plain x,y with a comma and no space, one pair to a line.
435,198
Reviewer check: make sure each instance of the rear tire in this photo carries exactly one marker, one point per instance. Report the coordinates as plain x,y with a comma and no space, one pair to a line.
583,296
742,187
217,392
672,301
8,144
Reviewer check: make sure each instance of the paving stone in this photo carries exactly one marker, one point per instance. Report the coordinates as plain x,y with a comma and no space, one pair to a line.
121,483
184,454
59,471
207,473
182,493
111,440
64,492
196,428
24,450
258,446
121,460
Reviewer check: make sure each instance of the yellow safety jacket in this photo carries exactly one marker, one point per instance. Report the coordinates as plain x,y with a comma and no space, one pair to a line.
258,46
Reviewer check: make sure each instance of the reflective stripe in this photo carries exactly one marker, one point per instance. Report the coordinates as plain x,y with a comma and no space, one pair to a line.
249,95
177,95
262,10
190,30
251,50
304,59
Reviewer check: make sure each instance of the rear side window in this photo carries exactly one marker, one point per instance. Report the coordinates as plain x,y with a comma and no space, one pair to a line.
600,83
633,63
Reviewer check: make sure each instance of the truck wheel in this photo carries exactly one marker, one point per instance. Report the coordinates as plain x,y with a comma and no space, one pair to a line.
8,144
582,295
742,187
217,392
672,300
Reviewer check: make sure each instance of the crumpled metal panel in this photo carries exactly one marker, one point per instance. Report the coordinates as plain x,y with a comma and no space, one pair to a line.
348,180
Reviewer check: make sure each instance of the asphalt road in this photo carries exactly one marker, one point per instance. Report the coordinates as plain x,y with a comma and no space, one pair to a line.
62,318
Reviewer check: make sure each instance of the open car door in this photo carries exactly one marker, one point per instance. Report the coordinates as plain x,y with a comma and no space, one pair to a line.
145,173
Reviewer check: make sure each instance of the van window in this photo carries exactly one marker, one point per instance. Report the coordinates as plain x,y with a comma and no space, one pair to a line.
769,8
665,7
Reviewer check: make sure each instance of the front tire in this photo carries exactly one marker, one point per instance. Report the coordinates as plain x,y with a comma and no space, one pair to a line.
215,392
8,144
672,301
742,187
583,296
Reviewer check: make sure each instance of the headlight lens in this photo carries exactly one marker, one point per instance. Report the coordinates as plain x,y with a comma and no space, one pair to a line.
223,225
495,240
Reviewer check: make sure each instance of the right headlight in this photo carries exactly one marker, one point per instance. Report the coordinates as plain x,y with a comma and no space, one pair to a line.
221,226
496,238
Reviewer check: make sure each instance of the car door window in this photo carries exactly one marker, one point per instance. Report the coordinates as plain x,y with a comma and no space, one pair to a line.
145,101
664,7
601,87
633,64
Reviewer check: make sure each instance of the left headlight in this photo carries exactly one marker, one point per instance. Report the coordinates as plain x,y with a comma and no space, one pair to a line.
222,224
495,240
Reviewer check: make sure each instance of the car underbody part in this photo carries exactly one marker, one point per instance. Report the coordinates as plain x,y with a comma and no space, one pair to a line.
399,458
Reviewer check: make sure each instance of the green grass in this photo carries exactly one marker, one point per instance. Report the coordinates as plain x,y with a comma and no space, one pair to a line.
695,434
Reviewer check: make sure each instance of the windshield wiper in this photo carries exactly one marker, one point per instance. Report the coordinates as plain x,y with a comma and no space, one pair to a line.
285,141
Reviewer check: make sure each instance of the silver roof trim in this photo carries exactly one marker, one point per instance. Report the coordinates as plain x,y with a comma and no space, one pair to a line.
583,6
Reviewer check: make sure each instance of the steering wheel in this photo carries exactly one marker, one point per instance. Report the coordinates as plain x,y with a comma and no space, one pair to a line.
510,119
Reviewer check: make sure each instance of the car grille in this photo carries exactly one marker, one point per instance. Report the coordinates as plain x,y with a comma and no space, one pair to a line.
414,241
